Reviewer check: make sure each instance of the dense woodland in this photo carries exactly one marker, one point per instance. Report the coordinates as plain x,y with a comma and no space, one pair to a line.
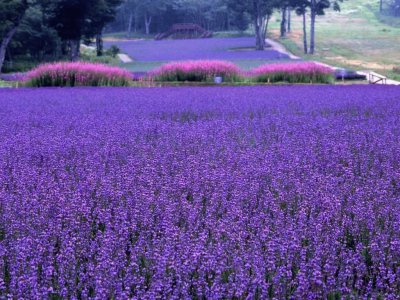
43,30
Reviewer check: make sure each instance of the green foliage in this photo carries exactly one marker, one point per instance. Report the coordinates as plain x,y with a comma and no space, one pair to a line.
11,12
394,73
4,84
214,15
34,39
101,13
21,64
113,51
11,15
89,55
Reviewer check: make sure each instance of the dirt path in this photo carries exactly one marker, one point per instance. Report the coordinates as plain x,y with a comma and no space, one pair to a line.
280,48
124,58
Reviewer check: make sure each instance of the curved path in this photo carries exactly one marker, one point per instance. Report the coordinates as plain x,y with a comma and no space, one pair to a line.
280,48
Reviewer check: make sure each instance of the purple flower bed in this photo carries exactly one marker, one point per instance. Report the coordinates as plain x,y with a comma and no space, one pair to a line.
179,193
13,77
193,49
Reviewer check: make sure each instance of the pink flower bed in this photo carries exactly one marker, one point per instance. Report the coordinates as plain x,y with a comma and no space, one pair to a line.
293,72
298,67
202,70
78,74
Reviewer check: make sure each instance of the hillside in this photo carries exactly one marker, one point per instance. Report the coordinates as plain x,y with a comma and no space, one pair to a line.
358,37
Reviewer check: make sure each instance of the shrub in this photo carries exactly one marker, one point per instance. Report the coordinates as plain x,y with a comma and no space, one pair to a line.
201,71
77,74
113,51
299,72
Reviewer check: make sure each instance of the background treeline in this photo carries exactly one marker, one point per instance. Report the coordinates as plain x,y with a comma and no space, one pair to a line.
147,16
392,7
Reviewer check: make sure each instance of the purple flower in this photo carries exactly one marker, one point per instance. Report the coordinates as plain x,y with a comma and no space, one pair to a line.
270,192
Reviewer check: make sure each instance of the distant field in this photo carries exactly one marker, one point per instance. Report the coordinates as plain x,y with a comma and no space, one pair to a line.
356,37
149,54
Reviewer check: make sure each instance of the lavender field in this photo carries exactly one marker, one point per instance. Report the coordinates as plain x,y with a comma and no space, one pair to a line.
200,193
215,48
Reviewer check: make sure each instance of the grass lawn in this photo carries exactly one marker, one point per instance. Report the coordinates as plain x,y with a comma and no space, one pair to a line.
4,84
354,38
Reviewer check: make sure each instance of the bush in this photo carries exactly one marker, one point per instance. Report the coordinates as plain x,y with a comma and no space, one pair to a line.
113,51
89,54
299,72
200,71
77,74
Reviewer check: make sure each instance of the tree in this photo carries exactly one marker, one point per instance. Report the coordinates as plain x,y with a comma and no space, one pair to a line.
284,6
213,15
206,13
99,15
68,18
149,9
301,7
11,14
76,18
146,10
317,8
260,12
131,7
289,19
33,39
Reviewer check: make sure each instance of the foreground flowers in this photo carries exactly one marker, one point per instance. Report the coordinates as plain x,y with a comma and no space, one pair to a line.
266,192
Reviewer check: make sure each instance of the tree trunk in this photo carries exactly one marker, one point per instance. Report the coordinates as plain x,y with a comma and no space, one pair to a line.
312,32
74,49
260,38
147,23
305,33
381,5
4,44
265,28
289,20
283,23
228,22
130,21
99,44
